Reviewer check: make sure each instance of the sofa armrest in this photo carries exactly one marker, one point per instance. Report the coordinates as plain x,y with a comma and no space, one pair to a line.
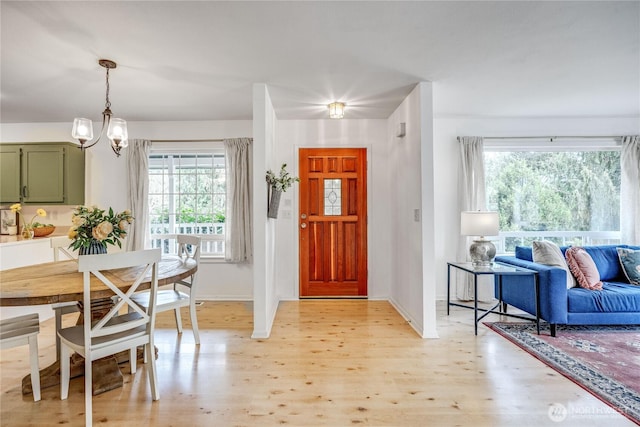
518,291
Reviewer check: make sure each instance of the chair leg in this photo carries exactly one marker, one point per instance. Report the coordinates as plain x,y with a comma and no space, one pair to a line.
64,372
133,355
194,321
58,327
178,320
153,375
35,370
88,390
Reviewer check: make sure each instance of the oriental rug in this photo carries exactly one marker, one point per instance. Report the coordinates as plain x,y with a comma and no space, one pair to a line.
604,360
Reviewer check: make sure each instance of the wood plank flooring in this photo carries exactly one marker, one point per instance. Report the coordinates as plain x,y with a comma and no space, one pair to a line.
327,363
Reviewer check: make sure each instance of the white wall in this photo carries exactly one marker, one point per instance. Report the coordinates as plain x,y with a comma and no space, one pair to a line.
410,174
446,153
369,134
265,298
106,184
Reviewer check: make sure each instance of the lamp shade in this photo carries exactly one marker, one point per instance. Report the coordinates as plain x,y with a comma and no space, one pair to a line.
479,223
82,129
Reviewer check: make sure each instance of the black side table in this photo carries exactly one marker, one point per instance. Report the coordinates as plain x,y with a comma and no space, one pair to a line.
498,269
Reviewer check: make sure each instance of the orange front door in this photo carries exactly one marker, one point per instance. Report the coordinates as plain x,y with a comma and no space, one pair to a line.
333,222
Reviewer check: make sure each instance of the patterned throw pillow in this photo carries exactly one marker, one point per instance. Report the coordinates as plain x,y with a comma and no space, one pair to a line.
583,268
630,261
548,253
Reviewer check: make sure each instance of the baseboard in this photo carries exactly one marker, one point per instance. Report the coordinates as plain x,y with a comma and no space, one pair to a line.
417,326
224,298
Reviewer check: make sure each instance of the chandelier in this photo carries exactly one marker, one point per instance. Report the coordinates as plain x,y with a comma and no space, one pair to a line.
116,128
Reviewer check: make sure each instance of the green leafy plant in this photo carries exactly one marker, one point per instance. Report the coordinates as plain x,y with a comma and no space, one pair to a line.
283,181
95,224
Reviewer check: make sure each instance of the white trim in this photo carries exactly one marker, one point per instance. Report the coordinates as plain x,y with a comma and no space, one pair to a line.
550,144
215,147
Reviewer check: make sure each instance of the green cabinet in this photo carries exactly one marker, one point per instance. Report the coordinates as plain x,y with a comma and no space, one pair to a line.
44,173
9,173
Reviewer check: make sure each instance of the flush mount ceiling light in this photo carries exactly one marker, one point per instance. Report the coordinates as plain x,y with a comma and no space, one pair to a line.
336,110
116,128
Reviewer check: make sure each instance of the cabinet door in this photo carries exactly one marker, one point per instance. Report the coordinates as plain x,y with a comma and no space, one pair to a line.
9,173
42,174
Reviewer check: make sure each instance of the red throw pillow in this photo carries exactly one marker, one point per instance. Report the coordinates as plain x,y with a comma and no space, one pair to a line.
583,268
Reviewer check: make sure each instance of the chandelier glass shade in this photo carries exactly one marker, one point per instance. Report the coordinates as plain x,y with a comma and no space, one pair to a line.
116,128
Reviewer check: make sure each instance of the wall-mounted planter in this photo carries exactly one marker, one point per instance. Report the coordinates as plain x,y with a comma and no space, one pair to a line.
274,202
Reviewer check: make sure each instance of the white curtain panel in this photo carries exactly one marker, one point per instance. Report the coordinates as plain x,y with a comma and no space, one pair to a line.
239,236
630,190
471,197
138,193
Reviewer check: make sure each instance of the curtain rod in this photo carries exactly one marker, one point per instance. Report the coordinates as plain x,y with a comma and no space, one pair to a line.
551,138
188,140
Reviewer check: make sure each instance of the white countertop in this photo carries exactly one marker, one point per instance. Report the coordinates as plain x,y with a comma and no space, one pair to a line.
7,240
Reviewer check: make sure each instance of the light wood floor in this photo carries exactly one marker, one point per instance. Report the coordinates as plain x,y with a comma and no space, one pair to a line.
327,363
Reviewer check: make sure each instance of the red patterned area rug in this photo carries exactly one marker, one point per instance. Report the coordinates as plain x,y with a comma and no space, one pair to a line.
604,360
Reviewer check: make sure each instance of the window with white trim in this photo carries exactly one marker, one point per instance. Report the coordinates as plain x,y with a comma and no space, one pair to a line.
564,192
187,195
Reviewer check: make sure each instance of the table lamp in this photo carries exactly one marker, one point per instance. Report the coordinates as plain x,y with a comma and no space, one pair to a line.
480,224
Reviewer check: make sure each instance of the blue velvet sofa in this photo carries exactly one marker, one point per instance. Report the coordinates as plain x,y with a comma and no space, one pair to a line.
617,303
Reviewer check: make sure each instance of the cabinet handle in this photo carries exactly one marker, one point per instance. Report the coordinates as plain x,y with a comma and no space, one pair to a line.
24,191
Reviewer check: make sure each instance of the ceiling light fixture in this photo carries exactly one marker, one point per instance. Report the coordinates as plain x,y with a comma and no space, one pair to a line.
336,110
116,128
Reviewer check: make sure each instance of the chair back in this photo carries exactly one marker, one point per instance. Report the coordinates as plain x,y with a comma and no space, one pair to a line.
189,246
98,266
60,246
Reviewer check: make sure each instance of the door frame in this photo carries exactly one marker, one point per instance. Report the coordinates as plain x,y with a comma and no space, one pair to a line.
296,208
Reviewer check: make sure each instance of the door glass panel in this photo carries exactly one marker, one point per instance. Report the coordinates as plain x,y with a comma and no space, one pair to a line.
332,197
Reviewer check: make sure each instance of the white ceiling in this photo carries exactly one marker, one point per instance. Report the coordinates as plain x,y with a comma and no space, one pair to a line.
198,60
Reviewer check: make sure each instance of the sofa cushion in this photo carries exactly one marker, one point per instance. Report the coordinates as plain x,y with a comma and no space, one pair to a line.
548,253
606,259
630,262
614,297
524,252
583,268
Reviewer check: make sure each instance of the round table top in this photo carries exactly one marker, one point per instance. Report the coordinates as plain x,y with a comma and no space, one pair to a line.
60,281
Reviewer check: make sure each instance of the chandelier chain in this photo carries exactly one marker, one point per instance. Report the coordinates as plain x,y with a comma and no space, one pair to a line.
107,103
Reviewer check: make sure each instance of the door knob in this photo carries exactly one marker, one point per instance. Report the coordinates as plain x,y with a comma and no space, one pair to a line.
303,216
303,225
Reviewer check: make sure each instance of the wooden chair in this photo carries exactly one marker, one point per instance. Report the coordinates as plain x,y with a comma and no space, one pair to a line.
114,332
23,330
174,299
60,246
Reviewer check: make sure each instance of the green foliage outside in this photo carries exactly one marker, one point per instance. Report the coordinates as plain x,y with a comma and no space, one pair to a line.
559,191
191,194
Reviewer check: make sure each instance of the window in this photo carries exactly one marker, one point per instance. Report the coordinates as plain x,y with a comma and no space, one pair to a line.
570,197
187,195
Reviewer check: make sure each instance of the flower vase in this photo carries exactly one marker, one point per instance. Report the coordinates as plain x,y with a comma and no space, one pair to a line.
274,203
95,248
27,233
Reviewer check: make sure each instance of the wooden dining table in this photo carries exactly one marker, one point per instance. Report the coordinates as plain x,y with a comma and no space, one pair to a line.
57,282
